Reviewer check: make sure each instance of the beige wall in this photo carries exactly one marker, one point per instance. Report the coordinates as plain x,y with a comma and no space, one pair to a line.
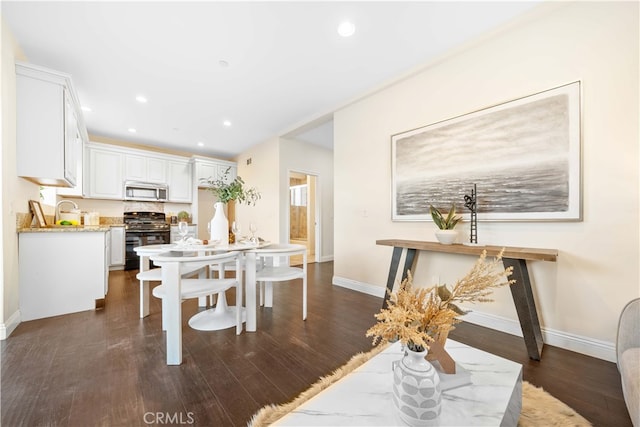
579,297
263,174
16,192
271,162
312,160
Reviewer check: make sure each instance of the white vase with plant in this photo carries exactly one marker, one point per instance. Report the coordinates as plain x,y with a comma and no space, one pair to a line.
226,191
445,233
419,318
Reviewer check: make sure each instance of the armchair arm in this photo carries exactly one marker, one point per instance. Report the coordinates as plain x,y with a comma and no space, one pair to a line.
628,328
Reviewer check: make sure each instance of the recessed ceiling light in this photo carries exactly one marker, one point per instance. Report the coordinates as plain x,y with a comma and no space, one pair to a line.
346,29
86,109
223,63
141,99
200,144
227,123
132,130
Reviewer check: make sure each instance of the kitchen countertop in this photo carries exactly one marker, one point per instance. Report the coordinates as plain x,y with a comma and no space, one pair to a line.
66,229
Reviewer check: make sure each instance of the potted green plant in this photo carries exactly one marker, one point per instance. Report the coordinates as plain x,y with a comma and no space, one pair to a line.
445,233
226,190
183,216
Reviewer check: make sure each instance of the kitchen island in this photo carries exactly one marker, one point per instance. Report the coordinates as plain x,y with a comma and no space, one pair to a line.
62,270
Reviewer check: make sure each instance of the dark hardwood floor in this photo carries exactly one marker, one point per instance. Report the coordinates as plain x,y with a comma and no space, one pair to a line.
107,367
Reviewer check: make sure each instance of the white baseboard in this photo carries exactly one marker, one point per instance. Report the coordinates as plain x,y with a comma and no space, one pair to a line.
8,327
326,258
580,344
365,288
577,343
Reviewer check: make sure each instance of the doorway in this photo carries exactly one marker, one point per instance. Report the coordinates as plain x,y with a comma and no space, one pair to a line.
303,224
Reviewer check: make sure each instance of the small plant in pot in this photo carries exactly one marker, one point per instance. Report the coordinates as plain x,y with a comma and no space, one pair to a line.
445,233
183,216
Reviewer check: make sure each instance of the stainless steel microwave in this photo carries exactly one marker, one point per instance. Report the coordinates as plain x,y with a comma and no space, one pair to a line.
145,191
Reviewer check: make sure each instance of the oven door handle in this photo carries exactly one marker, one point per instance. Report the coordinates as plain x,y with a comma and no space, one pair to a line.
147,231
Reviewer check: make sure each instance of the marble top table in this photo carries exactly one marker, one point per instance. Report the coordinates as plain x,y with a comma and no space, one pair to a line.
364,396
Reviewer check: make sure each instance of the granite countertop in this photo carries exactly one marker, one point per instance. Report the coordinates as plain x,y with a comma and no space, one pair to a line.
66,229
24,222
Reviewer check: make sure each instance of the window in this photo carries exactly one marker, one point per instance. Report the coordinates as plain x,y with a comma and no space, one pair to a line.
298,195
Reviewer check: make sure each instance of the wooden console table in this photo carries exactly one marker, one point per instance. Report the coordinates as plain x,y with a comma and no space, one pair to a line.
512,257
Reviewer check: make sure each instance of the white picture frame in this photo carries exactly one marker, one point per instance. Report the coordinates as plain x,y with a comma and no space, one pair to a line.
524,156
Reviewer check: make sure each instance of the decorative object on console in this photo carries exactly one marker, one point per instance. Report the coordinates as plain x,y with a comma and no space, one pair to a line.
417,316
470,202
226,192
530,160
446,233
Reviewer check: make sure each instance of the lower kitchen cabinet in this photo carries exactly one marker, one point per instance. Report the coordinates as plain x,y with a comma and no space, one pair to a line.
116,247
62,272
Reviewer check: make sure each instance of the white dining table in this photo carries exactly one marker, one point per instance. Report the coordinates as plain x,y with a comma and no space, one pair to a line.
174,260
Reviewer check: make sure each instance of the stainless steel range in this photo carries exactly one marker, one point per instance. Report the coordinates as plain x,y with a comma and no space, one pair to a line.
143,228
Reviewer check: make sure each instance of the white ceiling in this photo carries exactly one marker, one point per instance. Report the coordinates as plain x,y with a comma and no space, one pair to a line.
288,69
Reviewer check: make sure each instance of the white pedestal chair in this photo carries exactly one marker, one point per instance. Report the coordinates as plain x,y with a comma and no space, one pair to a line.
268,271
222,316
155,275
147,275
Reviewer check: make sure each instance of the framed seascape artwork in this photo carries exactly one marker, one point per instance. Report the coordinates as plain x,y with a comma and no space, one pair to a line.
524,156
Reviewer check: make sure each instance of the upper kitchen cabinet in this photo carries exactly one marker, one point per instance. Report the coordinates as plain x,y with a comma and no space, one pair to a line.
180,181
50,129
145,169
213,169
103,174
108,167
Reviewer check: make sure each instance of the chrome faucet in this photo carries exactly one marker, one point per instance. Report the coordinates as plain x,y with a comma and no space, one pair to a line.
57,215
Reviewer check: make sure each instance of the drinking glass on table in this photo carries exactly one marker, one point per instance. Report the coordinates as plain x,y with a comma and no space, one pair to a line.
253,228
235,229
183,229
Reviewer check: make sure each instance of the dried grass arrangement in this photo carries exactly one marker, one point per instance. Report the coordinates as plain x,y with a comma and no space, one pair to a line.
418,316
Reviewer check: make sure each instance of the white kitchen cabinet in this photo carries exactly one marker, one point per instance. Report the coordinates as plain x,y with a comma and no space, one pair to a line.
49,126
61,272
73,155
211,169
143,168
117,247
180,181
104,173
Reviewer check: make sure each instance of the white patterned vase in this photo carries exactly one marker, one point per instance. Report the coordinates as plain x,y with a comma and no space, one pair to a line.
416,390
219,226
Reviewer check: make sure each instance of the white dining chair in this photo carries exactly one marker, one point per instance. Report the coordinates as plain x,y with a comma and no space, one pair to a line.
155,275
273,266
222,316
